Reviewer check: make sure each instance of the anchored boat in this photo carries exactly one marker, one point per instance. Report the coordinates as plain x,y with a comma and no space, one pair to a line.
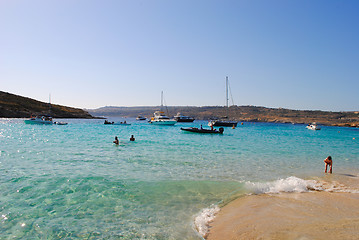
140,118
313,126
42,119
224,122
203,130
159,117
180,118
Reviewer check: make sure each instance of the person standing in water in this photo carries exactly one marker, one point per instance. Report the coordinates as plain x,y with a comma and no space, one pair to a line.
116,141
329,162
132,139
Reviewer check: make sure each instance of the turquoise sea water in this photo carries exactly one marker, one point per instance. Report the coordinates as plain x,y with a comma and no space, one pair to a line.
72,182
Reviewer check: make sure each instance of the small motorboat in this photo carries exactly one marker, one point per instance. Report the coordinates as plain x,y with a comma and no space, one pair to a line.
140,118
60,123
203,130
122,123
180,118
42,119
222,123
313,126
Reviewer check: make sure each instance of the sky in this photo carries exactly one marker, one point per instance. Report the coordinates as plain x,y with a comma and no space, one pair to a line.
296,54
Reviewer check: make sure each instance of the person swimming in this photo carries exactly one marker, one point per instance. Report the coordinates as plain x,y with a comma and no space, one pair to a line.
132,139
116,141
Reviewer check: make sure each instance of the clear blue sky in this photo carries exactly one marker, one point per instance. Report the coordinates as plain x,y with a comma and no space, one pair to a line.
297,54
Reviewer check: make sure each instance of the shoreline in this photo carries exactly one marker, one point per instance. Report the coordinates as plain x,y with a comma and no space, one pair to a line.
330,213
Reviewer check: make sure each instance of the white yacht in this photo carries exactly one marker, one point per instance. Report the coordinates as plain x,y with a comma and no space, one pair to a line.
313,126
159,118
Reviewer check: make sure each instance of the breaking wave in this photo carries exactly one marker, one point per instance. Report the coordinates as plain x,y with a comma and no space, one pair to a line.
288,185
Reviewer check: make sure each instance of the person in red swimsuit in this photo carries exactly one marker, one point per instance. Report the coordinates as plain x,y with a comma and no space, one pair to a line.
328,162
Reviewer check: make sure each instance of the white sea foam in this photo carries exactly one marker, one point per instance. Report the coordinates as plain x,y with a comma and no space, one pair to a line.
334,186
294,184
290,184
202,220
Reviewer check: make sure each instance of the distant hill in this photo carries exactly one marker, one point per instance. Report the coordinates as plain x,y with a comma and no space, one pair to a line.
240,113
14,106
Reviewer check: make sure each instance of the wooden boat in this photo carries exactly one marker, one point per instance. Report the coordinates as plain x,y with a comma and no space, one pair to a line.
202,130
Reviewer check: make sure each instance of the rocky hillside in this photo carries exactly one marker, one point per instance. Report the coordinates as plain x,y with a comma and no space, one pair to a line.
240,113
14,106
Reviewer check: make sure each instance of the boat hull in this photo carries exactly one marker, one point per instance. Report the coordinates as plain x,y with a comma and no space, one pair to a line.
163,122
184,120
199,130
61,123
223,123
29,121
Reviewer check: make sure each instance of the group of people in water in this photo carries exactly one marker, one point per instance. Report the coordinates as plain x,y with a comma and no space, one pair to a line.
117,142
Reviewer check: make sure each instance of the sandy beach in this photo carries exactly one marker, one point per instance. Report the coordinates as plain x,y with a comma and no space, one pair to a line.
329,214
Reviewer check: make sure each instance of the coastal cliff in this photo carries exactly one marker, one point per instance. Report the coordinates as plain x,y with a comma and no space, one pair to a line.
241,113
14,106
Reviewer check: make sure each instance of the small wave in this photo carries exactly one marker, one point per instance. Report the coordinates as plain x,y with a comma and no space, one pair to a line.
202,220
290,184
294,184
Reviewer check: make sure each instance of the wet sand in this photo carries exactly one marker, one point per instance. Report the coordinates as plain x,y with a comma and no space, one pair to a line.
310,215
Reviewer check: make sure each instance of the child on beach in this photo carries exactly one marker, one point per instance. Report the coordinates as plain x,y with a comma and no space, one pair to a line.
328,161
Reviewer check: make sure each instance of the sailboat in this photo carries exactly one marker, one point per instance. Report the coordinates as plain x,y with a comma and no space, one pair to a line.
159,117
41,119
224,122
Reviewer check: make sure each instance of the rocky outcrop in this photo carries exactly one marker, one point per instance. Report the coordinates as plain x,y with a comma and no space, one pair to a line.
14,106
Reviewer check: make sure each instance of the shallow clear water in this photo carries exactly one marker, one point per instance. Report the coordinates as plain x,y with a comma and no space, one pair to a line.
72,182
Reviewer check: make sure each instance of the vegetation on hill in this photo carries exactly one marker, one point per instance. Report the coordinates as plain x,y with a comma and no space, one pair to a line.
14,106
240,113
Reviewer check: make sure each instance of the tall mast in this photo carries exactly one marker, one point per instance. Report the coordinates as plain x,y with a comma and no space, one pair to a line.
161,99
227,92
227,97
